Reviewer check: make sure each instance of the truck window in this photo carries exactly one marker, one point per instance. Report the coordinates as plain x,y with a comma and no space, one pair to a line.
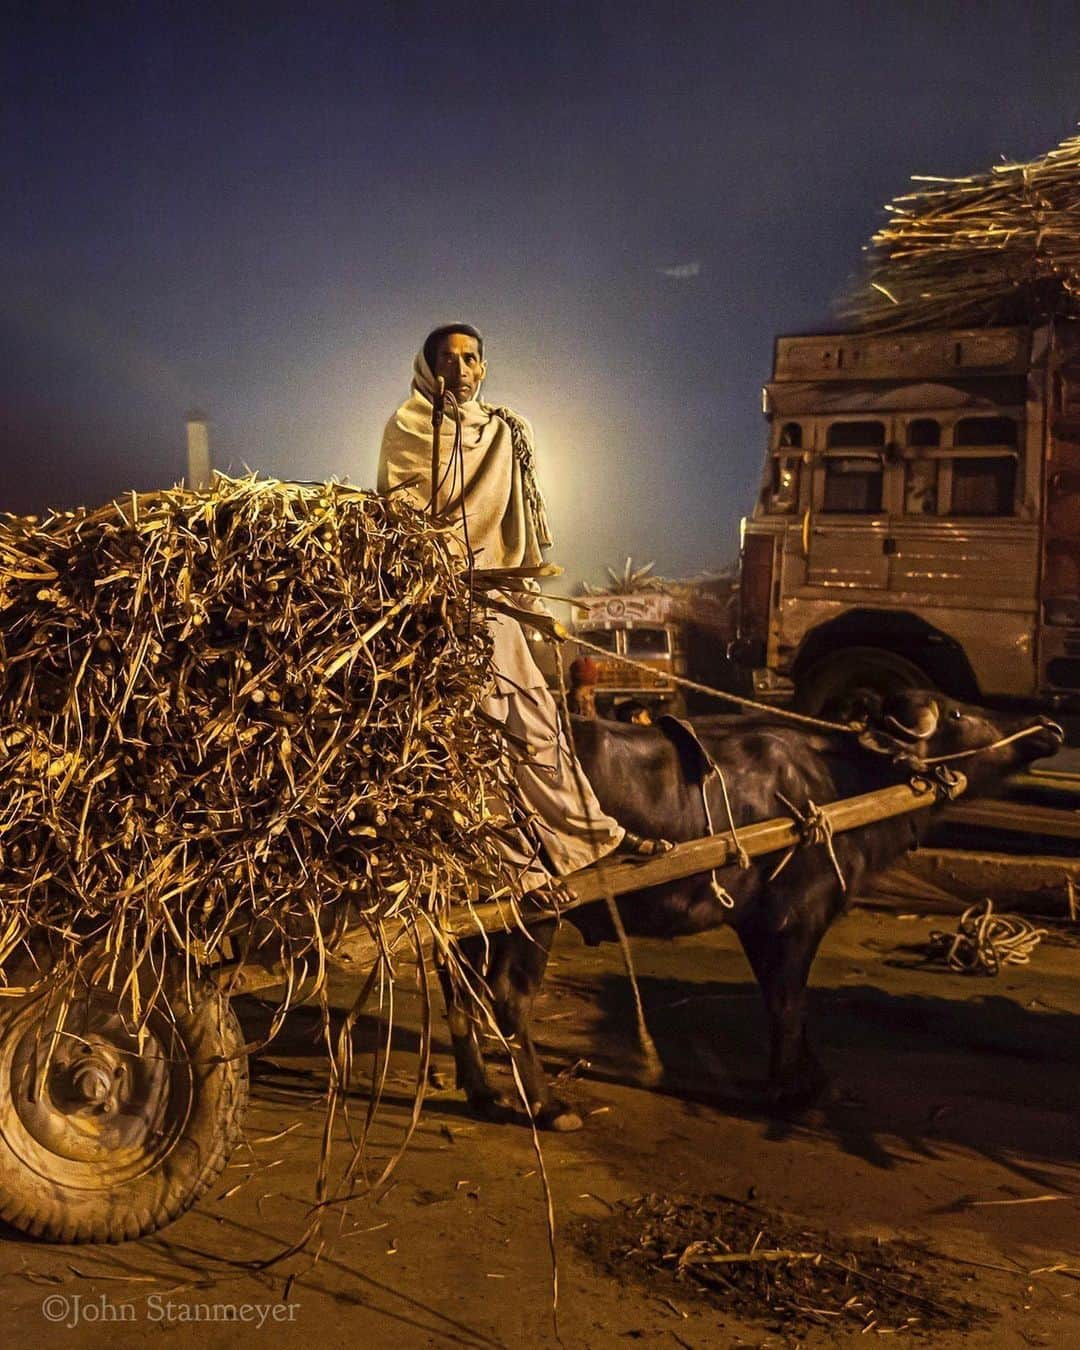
983,487
923,432
601,637
996,431
783,495
856,435
852,485
853,482
645,642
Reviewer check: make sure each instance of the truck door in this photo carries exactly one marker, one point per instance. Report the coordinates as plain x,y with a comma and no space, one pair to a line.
847,527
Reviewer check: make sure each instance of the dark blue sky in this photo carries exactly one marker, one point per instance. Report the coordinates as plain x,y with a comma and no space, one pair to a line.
261,209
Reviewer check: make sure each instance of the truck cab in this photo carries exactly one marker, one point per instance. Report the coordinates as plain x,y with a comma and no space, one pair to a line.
918,521
645,627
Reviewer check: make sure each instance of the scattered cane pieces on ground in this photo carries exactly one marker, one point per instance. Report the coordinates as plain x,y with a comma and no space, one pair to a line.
766,1267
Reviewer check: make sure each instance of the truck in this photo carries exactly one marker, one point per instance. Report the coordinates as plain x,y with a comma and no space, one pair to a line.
670,628
645,626
918,520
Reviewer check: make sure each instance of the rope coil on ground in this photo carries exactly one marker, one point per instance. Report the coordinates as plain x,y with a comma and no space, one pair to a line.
985,941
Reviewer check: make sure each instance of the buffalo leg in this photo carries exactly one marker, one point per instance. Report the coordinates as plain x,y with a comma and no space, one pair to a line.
515,974
781,960
510,977
461,1017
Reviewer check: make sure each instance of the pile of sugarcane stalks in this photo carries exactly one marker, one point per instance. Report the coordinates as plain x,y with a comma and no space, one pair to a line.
997,248
240,716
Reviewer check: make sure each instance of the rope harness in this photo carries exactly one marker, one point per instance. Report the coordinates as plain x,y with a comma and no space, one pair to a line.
815,827
712,770
985,941
800,719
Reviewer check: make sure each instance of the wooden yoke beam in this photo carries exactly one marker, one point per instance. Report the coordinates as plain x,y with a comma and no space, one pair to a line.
357,948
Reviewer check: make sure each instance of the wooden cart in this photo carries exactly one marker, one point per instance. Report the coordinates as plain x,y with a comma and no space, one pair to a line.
107,1135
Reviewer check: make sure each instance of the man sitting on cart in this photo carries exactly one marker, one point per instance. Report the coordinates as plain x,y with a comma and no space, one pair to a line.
506,528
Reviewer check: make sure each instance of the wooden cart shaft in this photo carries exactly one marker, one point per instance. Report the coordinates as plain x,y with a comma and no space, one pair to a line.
358,949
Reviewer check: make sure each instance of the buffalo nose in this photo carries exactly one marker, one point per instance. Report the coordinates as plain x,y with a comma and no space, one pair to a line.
1055,728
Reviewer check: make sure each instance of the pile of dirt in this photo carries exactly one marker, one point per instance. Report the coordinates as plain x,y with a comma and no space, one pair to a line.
767,1267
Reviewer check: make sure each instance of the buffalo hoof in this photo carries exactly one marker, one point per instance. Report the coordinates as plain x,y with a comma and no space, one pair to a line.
800,1092
559,1117
492,1106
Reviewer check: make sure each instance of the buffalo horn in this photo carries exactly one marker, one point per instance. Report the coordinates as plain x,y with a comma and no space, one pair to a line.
925,723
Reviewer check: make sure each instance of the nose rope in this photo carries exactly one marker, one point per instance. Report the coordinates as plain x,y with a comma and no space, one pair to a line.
980,749
786,715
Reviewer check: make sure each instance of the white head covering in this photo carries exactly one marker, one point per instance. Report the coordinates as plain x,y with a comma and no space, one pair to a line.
503,507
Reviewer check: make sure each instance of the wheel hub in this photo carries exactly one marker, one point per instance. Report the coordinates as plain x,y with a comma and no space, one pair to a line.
93,1094
92,1075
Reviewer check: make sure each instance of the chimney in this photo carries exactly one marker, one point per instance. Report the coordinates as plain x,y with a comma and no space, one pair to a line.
198,452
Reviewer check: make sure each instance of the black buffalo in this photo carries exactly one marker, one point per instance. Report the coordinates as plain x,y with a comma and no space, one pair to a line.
651,779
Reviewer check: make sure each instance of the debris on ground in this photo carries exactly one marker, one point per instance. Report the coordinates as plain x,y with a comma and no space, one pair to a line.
985,941
766,1267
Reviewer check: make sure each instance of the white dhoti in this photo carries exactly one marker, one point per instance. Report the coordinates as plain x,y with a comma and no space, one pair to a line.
565,818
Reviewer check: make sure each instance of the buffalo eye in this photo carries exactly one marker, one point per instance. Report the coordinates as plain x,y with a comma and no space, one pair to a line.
956,715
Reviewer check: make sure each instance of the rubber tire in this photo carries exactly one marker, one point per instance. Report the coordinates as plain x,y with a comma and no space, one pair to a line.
209,1035
843,672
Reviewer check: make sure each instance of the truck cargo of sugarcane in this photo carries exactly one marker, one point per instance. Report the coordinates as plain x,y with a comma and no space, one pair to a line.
918,522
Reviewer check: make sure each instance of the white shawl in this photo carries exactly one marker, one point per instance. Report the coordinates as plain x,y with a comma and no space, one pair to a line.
502,505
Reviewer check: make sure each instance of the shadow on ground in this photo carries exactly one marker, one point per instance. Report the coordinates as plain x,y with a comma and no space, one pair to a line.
913,1073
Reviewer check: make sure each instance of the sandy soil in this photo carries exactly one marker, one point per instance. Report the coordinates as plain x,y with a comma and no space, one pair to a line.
952,1095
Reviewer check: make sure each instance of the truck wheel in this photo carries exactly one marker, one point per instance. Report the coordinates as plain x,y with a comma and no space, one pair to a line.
838,677
102,1138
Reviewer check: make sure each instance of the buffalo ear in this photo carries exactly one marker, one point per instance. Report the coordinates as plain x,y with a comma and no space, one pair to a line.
693,756
857,705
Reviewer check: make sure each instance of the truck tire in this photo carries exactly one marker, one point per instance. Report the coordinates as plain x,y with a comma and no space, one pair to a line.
104,1140
840,675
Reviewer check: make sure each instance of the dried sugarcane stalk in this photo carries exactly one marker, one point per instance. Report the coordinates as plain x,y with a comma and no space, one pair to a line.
996,248
247,714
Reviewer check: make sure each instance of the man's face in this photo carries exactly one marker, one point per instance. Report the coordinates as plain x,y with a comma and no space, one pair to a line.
458,361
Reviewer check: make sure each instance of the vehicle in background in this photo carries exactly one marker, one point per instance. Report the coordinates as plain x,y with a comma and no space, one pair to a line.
669,628
919,518
647,628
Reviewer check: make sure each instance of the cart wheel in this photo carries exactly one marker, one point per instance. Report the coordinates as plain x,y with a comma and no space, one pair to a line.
103,1139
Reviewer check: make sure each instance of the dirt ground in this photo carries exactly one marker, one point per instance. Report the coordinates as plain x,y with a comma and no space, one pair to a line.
954,1098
